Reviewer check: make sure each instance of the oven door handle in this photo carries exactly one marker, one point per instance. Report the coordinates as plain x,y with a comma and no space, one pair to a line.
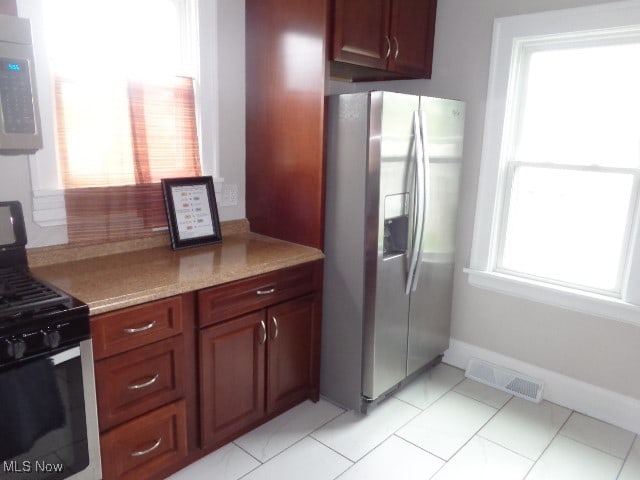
65,355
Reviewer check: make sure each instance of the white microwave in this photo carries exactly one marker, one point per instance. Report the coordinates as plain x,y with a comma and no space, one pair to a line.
19,116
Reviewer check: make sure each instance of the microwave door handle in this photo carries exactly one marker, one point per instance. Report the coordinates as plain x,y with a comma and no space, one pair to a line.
424,196
415,246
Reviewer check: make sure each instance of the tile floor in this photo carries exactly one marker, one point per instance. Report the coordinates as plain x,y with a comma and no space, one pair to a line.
441,426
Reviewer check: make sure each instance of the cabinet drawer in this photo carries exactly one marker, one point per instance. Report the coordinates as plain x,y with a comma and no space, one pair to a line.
146,445
138,381
233,299
133,327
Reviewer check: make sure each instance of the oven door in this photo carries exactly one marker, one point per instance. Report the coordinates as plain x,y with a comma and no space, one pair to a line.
50,426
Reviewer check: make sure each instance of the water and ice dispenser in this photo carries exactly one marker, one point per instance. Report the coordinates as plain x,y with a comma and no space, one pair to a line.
396,224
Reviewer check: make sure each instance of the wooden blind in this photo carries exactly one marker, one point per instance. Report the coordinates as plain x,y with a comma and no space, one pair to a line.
116,141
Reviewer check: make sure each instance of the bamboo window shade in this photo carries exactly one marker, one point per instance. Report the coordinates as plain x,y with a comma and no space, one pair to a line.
116,140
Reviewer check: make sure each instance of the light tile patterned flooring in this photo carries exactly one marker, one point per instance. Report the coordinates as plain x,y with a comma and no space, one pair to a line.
440,427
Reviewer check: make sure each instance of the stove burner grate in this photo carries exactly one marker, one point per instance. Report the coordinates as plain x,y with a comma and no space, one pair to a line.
20,292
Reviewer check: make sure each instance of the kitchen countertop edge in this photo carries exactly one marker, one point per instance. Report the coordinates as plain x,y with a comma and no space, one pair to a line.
127,279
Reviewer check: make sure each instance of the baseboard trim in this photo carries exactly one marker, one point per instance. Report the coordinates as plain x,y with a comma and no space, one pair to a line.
606,405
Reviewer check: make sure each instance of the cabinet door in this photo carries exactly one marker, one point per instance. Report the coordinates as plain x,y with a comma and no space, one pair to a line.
285,77
361,32
232,363
412,32
294,335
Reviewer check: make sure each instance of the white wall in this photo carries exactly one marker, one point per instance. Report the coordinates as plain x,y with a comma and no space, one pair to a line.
601,352
15,183
231,98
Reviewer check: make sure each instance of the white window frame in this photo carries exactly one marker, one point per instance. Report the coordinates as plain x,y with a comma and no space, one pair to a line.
511,34
48,196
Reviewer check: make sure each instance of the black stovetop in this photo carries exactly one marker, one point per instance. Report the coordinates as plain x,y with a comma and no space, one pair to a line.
36,318
20,291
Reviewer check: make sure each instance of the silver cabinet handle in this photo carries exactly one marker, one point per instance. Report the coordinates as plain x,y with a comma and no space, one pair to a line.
266,292
145,384
148,450
140,329
395,55
386,38
275,326
264,332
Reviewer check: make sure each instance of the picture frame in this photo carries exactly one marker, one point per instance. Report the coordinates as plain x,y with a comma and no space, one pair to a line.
192,211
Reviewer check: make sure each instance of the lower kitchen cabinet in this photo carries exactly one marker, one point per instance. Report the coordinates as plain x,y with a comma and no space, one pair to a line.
254,353
257,365
146,387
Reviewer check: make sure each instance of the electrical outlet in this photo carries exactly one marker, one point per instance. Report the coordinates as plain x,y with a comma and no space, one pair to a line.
229,197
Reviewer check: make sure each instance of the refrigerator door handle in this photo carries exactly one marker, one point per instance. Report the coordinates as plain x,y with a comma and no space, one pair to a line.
418,203
426,178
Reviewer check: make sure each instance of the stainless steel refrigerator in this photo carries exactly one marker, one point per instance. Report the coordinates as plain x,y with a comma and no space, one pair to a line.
393,168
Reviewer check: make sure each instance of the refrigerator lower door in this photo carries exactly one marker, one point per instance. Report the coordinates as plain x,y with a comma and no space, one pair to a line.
430,304
388,213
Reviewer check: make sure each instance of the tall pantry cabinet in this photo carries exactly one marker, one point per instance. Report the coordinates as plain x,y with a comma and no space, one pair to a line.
285,76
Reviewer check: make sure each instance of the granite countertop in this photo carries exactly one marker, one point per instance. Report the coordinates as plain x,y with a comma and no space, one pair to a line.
122,279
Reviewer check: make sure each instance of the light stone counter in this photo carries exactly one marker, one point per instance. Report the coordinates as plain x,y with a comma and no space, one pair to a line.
123,279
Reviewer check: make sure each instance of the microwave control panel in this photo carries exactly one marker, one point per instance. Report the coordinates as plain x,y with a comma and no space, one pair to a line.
16,97
19,114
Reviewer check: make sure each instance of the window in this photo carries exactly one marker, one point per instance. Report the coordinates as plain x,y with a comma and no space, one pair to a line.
120,92
558,202
119,99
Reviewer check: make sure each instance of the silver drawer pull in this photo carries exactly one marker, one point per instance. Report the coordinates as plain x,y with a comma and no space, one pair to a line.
140,329
266,292
145,384
148,450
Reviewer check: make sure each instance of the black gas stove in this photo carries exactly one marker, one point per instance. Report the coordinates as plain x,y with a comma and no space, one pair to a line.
36,318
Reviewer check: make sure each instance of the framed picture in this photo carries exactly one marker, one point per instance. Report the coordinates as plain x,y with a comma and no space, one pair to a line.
192,211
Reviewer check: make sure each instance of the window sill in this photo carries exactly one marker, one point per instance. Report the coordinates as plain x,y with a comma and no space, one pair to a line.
571,299
49,208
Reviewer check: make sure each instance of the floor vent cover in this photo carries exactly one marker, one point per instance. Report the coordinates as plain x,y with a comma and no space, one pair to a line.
504,379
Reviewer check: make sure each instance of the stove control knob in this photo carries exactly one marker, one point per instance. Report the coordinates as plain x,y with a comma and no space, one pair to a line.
51,338
19,348
6,349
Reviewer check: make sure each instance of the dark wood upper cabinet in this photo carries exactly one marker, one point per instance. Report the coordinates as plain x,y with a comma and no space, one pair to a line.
382,39
285,77
360,34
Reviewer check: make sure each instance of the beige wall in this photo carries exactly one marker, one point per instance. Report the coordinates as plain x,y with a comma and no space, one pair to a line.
602,352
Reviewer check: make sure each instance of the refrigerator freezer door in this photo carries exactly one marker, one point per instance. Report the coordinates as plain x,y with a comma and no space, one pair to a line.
389,205
430,305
